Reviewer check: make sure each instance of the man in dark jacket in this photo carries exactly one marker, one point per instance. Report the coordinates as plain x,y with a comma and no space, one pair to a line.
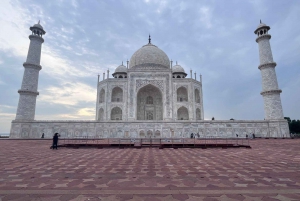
55,141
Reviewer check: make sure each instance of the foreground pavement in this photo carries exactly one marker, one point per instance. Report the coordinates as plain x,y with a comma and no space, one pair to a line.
29,170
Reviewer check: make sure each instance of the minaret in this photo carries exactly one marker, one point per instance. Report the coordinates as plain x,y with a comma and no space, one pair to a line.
270,90
28,91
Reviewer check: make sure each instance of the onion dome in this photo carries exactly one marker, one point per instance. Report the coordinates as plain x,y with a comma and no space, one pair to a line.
120,72
149,56
38,26
177,69
121,69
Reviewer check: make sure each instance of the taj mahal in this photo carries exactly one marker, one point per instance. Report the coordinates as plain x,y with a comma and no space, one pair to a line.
149,96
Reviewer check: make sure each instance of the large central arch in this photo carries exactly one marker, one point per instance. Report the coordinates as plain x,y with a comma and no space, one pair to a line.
149,103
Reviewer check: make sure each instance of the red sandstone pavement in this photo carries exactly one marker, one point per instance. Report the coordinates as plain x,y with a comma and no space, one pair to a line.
29,170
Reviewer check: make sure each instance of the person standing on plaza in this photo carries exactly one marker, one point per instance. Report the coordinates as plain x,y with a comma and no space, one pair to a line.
55,141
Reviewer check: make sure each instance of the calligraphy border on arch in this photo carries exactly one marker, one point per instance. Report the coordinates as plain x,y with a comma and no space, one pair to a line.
152,76
158,83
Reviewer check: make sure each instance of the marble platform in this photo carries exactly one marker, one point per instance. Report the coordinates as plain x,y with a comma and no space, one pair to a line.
159,129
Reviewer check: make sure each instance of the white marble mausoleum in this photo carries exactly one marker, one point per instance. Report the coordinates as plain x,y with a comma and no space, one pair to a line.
148,97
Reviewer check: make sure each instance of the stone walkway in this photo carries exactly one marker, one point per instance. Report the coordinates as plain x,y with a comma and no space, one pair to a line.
29,170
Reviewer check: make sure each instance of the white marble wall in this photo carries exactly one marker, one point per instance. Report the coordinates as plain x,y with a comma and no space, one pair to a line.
269,79
137,80
265,55
270,90
119,129
34,51
272,105
26,107
28,91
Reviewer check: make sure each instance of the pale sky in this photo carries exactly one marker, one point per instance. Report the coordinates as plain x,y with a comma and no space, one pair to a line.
87,37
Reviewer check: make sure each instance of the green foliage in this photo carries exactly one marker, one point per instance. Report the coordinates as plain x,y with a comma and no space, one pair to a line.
294,125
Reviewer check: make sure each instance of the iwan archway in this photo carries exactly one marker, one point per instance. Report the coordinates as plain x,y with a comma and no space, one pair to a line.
149,103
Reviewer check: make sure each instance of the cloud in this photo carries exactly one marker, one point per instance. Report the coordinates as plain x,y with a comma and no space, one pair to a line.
205,16
69,93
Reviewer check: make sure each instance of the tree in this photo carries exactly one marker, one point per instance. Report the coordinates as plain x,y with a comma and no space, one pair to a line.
294,125
288,119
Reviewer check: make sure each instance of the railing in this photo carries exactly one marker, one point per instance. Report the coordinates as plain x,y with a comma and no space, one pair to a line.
185,142
295,135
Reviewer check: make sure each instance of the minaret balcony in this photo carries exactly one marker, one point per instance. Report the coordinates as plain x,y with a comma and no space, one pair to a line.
31,65
36,37
276,91
267,65
259,38
33,93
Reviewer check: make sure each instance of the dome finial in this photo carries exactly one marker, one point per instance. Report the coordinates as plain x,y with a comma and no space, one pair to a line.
176,63
259,21
149,39
39,22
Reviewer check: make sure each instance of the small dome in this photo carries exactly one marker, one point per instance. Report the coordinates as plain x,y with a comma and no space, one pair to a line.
149,55
261,25
38,26
177,69
121,69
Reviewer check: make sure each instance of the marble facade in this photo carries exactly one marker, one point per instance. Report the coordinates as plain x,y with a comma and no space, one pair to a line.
154,129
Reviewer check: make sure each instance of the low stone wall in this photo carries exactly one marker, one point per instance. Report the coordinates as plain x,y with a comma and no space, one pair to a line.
119,129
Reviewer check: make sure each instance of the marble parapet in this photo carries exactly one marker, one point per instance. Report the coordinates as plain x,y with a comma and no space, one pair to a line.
155,129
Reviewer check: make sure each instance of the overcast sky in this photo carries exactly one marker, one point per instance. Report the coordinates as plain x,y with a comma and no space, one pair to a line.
87,37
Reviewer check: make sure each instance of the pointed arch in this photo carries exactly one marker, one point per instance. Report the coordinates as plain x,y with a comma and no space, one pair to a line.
149,133
198,114
142,133
197,96
117,95
102,96
157,133
182,113
116,114
149,103
182,94
101,114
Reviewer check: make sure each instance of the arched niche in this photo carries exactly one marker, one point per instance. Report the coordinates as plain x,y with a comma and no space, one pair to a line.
198,114
102,96
157,133
149,103
142,133
116,114
182,94
197,96
149,133
182,113
117,95
101,114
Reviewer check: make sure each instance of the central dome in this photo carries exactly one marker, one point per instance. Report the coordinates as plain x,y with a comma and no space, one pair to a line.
149,56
